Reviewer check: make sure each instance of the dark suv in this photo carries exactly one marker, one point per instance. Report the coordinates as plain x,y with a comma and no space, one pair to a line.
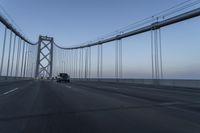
63,77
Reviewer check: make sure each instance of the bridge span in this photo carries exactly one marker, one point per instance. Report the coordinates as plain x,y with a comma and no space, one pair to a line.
31,101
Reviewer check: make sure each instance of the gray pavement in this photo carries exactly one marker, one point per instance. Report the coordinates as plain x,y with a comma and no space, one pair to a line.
97,107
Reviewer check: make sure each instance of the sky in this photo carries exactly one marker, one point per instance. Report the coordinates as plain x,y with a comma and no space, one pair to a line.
72,22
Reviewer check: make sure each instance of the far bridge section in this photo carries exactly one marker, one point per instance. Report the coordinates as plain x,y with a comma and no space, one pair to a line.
21,58
92,102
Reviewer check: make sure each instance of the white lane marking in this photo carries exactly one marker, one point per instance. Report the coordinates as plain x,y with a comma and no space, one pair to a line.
114,88
10,91
68,86
109,87
171,103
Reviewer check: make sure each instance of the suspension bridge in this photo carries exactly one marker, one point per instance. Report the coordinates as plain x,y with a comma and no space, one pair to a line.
32,101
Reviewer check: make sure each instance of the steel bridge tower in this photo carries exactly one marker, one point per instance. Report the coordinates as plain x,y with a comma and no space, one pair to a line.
44,64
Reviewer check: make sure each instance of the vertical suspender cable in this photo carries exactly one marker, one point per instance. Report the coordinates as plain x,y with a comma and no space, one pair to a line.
17,59
65,62
28,61
85,71
31,63
72,62
90,62
13,56
20,58
70,55
116,59
31,70
86,63
22,65
56,61
75,63
101,61
156,54
86,52
53,71
160,43
120,60
3,52
98,52
79,63
82,63
25,73
9,53
152,53
57,64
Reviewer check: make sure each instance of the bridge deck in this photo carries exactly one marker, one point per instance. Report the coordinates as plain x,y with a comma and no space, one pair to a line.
94,107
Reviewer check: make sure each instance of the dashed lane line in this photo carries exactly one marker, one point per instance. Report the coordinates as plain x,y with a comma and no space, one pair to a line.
5,93
108,87
68,86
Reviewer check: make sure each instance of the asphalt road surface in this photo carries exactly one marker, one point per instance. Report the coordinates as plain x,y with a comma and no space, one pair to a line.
97,107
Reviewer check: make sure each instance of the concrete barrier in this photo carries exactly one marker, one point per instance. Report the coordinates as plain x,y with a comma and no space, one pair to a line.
4,78
162,82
